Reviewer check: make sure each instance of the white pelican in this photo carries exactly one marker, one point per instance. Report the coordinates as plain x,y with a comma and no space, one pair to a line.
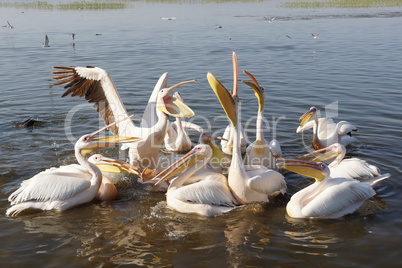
217,160
96,86
150,117
227,141
350,168
227,137
330,133
64,187
209,197
328,197
214,165
107,190
177,139
46,44
260,152
261,182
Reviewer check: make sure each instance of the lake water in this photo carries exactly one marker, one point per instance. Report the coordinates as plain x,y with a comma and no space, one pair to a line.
351,72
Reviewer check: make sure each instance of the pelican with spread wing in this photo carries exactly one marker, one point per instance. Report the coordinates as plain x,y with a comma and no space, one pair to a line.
97,87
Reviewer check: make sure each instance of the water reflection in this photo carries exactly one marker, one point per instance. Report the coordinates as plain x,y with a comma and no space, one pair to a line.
323,237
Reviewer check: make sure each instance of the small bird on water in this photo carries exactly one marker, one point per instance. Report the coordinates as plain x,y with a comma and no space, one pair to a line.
8,25
30,122
46,44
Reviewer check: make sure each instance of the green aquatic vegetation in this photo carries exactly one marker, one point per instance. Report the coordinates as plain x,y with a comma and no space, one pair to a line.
343,4
90,5
102,4
76,5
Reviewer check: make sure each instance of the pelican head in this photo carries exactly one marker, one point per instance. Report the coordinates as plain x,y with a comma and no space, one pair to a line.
197,154
89,143
258,90
317,170
307,116
227,99
172,105
217,154
335,150
110,165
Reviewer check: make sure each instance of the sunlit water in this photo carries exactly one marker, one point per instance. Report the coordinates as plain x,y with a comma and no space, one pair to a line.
354,67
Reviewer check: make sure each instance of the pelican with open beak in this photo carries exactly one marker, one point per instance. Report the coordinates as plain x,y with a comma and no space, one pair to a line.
246,187
177,139
328,197
209,197
260,152
107,190
97,87
331,133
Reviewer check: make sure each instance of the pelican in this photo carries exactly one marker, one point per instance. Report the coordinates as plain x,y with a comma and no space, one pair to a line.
329,134
208,197
61,188
260,152
228,135
227,141
96,85
217,160
350,168
177,139
150,176
260,182
329,197
107,190
46,44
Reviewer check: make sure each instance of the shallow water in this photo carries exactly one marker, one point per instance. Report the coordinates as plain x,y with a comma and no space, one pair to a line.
352,71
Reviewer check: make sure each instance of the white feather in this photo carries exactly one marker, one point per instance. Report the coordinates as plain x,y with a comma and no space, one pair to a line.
337,197
206,192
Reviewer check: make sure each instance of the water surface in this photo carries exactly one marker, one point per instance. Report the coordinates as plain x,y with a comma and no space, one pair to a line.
351,72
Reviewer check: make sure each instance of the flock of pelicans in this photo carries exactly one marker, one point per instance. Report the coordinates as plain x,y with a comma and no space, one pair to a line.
198,182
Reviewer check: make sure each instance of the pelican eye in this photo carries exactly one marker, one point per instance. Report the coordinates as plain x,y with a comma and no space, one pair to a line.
86,138
322,166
